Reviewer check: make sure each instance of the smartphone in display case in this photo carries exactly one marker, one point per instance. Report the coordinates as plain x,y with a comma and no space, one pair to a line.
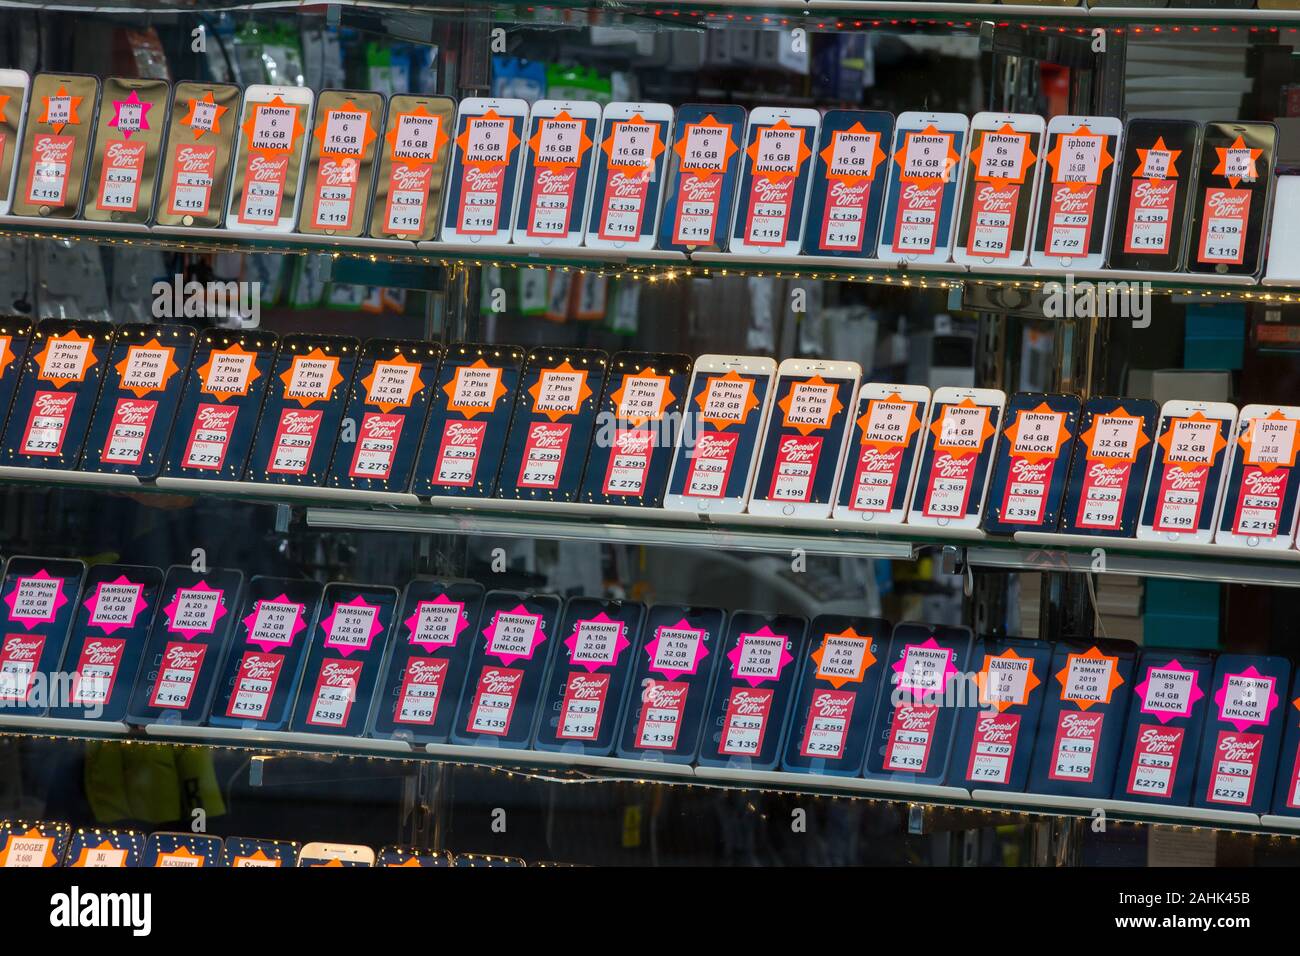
1259,505
956,458
1157,178
1185,485
336,854
775,175
924,187
123,177
270,158
1000,189
340,170
631,156
55,149
197,154
1074,205
413,161
883,452
1233,199
14,87
555,186
703,169
848,184
484,179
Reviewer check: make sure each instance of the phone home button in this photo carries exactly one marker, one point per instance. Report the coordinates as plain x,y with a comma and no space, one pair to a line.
787,510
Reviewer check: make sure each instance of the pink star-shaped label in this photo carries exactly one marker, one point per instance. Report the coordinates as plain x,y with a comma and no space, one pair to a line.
130,115
683,649
1166,714
41,581
514,635
1247,698
597,642
275,629
756,657
186,599
437,623
351,625
138,603
927,686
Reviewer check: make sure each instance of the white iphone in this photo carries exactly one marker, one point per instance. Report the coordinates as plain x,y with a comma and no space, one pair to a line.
1000,190
14,88
1185,483
485,162
555,188
883,451
717,446
631,160
346,854
801,460
925,179
1075,203
956,458
1259,503
775,180
270,159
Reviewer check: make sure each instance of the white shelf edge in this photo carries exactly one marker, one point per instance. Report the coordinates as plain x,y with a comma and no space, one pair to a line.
856,784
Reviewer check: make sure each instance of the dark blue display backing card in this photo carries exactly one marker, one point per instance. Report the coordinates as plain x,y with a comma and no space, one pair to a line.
461,176
590,676
756,187
220,404
1205,477
613,182
108,640
104,848
245,851
36,843
38,601
571,181
752,695
15,335
1078,747
839,681
1286,792
55,395
352,630
947,194
1244,726
914,719
437,625
676,658
470,416
303,410
733,444
553,424
507,671
187,644
182,849
848,207
260,676
630,455
137,405
413,856
1170,697
1031,465
1105,491
791,440
387,405
697,209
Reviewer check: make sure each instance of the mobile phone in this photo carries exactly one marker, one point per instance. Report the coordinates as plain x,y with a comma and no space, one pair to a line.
1259,505
802,456
1074,205
883,452
1185,486
1110,467
703,170
485,164
39,599
956,457
1156,179
14,87
190,850
1233,198
726,410
194,185
93,847
123,176
413,856
776,171
555,186
1000,189
413,160
336,854
55,151
244,852
924,187
340,169
632,153
848,184
1032,463
270,158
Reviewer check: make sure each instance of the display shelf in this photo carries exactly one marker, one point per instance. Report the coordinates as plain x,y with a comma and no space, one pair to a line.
1124,809
799,781
275,738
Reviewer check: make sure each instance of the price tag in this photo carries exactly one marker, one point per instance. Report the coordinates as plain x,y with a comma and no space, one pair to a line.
1080,158
1078,738
582,707
128,431
417,137
852,154
1115,436
927,155
632,145
254,685
336,690
421,691
203,116
488,141
1155,760
727,400
345,132
661,715
559,142
1192,441
711,462
827,724
1156,164
1237,165
1168,691
458,453
119,185
494,699
275,622
778,150
911,733
1002,156
173,688
706,148
295,440
51,159
210,436
544,452
745,722
993,748
962,427
1038,433
1271,441
273,128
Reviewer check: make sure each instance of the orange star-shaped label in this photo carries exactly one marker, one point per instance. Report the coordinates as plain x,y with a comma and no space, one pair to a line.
843,658
6,353
559,391
888,422
1158,162
853,155
424,137
926,157
180,853
1076,167
1006,680
83,858
204,116
228,372
27,841
560,141
1089,678
1278,450
62,116
770,154
263,128
1234,166
4,101
810,405
1115,437
726,400
961,429
413,861
1002,157
65,358
642,397
1189,456
146,368
334,862
705,148
626,146
1037,433
311,377
257,858
339,146
482,132
474,388
393,383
